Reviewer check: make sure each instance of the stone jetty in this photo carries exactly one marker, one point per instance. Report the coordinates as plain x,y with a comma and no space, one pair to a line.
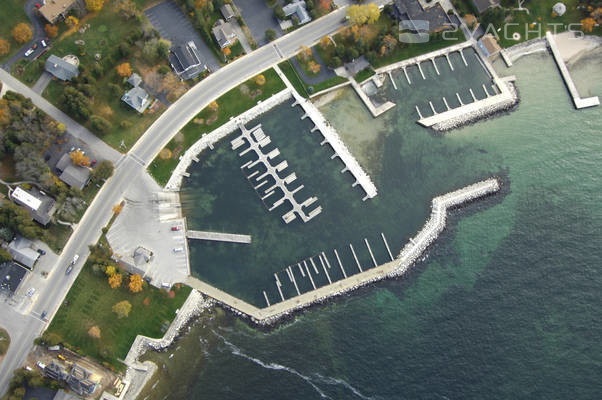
406,258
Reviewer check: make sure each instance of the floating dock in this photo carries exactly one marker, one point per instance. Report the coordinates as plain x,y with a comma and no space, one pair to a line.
408,255
566,76
218,237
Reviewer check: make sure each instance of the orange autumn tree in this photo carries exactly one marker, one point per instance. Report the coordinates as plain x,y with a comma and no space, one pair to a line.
115,281
51,30
313,67
135,284
124,70
22,33
79,159
94,5
226,51
117,208
588,24
4,46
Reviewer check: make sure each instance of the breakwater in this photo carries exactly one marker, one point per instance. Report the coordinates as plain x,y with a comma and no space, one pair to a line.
408,255
209,139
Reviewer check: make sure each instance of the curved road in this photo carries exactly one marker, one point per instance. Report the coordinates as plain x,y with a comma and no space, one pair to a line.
131,166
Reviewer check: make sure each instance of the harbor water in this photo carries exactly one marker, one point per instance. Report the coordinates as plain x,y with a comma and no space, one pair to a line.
505,305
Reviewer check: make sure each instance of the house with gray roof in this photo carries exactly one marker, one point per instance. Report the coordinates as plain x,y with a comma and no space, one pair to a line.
419,19
22,252
224,34
227,11
11,275
73,175
298,9
135,79
60,68
137,98
483,5
41,207
186,61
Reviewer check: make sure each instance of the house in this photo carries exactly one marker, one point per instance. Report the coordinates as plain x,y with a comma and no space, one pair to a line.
11,275
483,5
489,45
134,79
297,9
227,11
224,34
22,252
80,380
60,68
186,61
136,262
41,207
416,16
53,10
137,98
74,176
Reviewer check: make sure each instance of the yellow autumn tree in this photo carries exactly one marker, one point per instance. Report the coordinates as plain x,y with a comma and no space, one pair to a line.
362,14
115,280
588,24
79,159
260,80
135,284
4,46
313,67
124,69
325,42
71,21
122,309
117,208
94,5
213,106
94,332
111,270
22,33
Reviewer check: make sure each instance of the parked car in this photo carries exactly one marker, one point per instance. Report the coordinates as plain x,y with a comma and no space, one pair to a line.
175,228
69,269
93,163
30,292
42,252
41,365
75,258
43,315
43,43
178,249
28,52
38,5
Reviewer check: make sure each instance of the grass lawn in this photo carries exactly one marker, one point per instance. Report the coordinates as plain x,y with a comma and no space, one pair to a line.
232,103
11,15
364,74
540,13
301,87
4,342
89,304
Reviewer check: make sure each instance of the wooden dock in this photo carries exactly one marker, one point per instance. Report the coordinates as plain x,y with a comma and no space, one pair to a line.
219,237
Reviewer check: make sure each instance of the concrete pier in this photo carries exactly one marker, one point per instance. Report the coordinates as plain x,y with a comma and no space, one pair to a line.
408,255
324,268
387,245
392,80
432,108
446,105
310,277
485,89
420,69
435,65
355,257
218,237
405,71
340,263
425,57
463,58
370,251
474,98
566,76
459,99
254,138
375,111
419,113
449,61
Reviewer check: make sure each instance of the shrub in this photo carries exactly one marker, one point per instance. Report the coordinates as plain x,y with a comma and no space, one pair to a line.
100,124
270,35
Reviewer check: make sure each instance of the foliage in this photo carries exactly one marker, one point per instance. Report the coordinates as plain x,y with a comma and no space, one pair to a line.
99,124
103,171
115,280
76,102
124,70
118,208
127,8
4,340
588,24
110,270
270,35
325,43
94,332
79,159
71,21
4,257
135,284
18,220
213,106
362,14
4,46
260,80
122,309
51,30
94,5
226,51
22,33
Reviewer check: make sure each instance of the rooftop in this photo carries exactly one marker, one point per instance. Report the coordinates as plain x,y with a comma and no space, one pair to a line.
53,9
186,61
411,10
39,204
11,275
22,252
60,68
137,98
224,34
227,11
74,176
299,9
135,79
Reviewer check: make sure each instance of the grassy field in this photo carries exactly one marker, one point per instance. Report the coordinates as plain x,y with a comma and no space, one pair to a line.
4,342
232,103
301,87
364,74
89,304
11,15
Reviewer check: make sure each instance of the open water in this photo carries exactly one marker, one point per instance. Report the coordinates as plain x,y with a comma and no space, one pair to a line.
506,305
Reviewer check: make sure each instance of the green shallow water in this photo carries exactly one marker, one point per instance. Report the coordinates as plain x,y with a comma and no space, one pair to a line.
506,305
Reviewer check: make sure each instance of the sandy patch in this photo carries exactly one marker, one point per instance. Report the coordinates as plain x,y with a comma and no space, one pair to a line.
572,47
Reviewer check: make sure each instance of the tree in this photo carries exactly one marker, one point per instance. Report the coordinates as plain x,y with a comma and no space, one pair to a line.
122,309
325,42
22,33
279,12
313,67
127,8
135,284
76,102
226,51
103,171
4,47
117,208
373,13
270,35
94,5
213,106
4,256
79,158
588,24
71,21
260,80
163,48
389,42
361,14
99,124
115,280
110,270
124,69
51,30
94,332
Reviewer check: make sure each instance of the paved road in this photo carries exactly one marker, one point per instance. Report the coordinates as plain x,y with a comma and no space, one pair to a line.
100,148
38,35
128,170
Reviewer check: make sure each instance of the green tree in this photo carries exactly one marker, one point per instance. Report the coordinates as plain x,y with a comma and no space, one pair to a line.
102,172
76,103
270,35
4,256
99,124
122,309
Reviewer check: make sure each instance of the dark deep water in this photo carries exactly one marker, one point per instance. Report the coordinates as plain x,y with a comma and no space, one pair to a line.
506,305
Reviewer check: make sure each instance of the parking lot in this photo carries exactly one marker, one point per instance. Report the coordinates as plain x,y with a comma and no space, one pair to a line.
259,18
173,25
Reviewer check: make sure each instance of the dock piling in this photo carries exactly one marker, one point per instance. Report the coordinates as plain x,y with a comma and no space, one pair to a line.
355,256
370,251
340,263
387,246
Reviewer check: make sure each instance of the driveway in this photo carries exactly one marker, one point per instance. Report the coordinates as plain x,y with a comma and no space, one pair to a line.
173,25
259,18
325,72
42,82
38,35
